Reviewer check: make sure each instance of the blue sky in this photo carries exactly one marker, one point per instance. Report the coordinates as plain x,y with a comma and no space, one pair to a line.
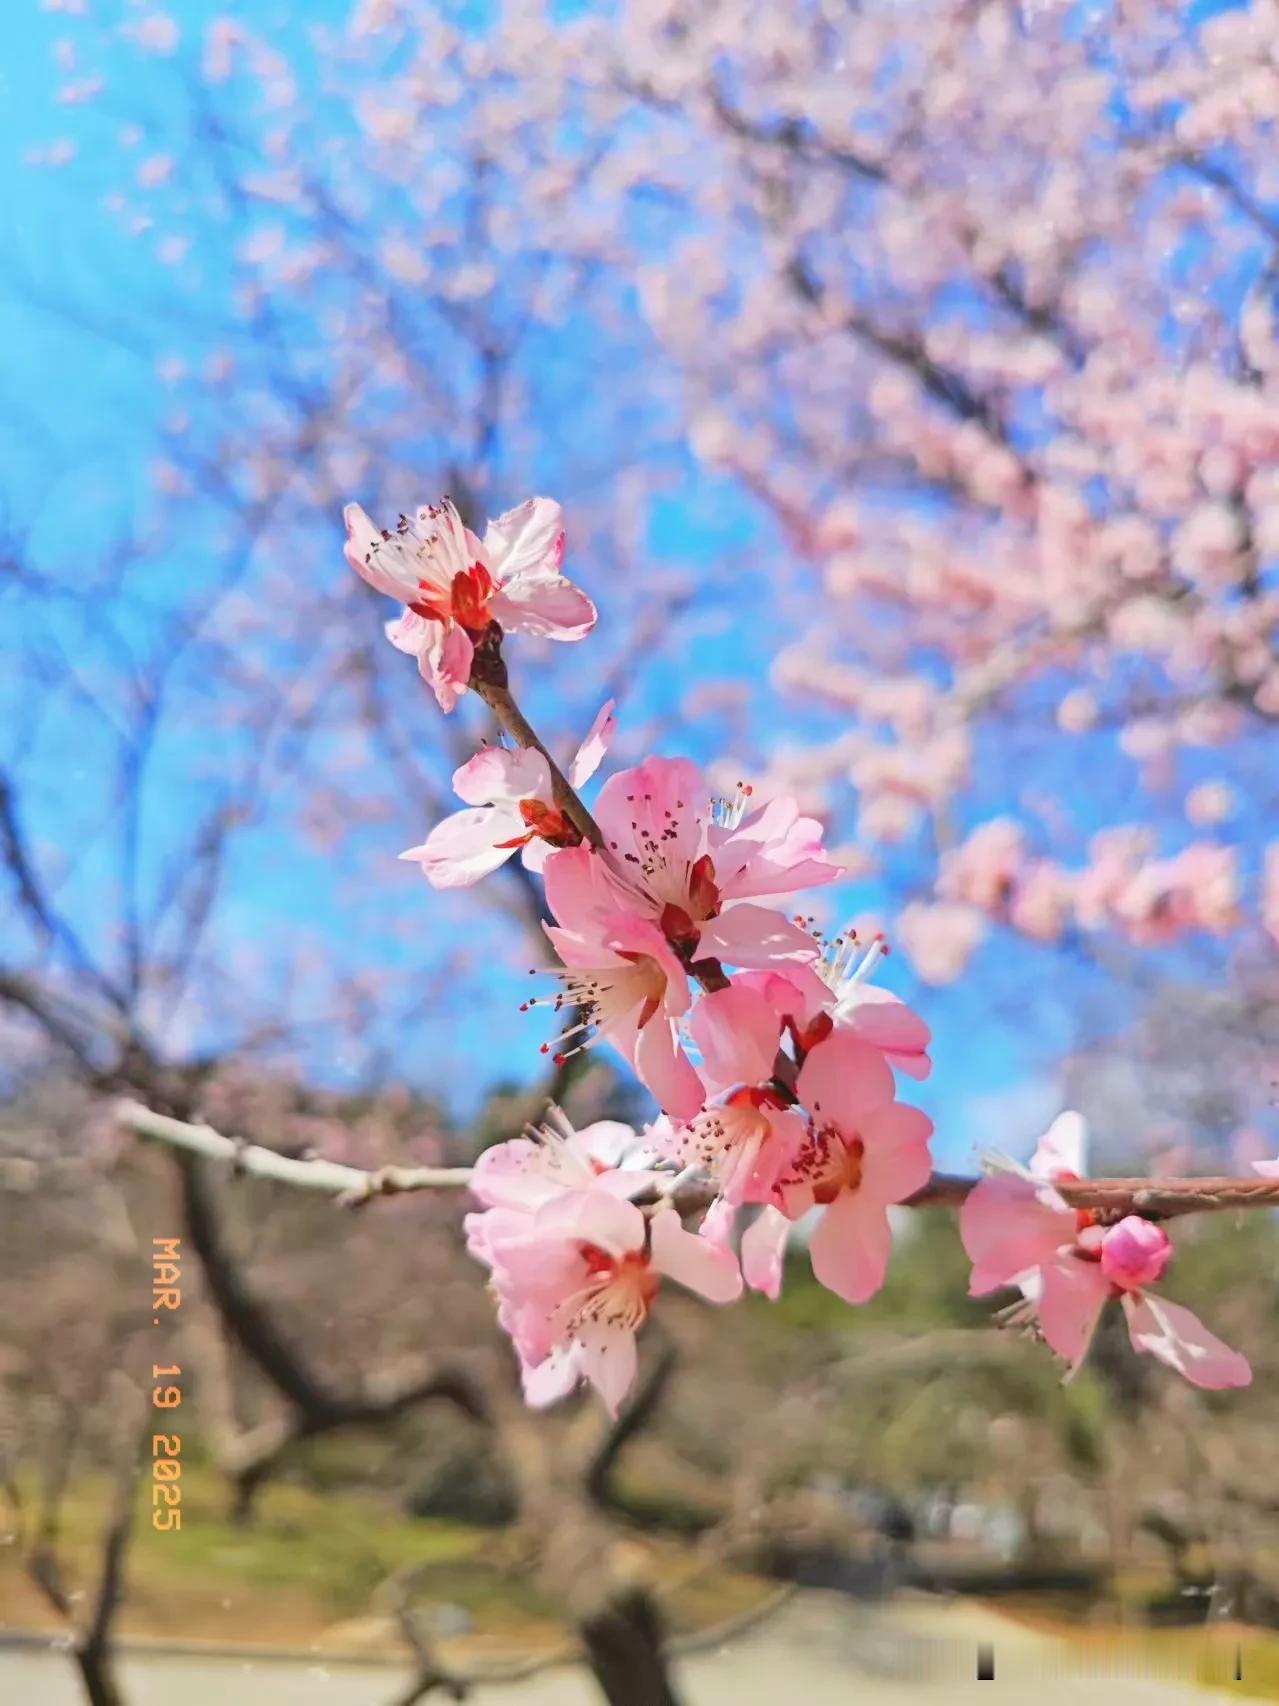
75,449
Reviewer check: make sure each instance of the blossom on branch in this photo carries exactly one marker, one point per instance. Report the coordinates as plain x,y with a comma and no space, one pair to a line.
575,1279
512,806
453,585
1018,1231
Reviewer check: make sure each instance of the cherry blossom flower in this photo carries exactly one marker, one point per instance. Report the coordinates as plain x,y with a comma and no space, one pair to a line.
453,585
621,974
697,874
575,1281
748,1134
525,1172
512,806
1019,1232
862,1152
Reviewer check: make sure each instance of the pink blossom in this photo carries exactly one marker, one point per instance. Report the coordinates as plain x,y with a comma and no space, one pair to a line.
512,805
575,1280
621,974
862,1152
696,871
1019,1232
745,1137
526,1172
453,585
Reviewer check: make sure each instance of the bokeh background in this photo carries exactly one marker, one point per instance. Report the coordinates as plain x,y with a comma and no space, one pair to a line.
909,375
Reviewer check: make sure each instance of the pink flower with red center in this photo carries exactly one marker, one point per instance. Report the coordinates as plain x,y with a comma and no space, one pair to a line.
750,1132
526,1172
863,1151
621,974
1019,1232
575,1281
512,807
453,585
697,877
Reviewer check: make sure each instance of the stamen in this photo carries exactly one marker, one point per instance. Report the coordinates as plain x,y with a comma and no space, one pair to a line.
727,811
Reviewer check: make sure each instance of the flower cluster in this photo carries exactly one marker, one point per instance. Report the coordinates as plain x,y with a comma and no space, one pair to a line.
773,1058
1068,1265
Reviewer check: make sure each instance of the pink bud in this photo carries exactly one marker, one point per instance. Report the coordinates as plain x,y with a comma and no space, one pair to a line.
1135,1253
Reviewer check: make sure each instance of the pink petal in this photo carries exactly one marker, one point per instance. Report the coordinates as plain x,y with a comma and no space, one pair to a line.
372,565
443,653
1178,1337
524,1174
446,667
1267,1169
414,634
754,937
592,1217
526,540
551,1379
551,609
663,801
1063,1147
844,1080
497,776
850,1247
599,737
877,1015
1072,1295
1007,1228
764,1252
737,1033
665,1070
698,1264
718,1222
605,1354
794,991
466,846
896,1162
580,889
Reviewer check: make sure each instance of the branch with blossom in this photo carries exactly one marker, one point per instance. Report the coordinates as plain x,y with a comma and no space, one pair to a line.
774,1059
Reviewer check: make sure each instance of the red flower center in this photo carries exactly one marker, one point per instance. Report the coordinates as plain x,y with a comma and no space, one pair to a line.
466,602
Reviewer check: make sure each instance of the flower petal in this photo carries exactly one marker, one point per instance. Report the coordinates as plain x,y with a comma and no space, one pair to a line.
1071,1297
896,1162
605,1353
496,775
663,803
698,1264
1063,1148
850,1247
844,1080
1178,1337
526,540
596,742
592,1217
737,1032
1007,1228
755,937
467,846
764,1252
550,608
665,1070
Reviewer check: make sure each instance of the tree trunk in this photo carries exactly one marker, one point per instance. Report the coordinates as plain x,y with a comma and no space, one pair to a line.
623,1642
94,1664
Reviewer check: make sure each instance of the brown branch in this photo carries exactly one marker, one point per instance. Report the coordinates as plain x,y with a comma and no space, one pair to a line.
1153,1198
489,679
